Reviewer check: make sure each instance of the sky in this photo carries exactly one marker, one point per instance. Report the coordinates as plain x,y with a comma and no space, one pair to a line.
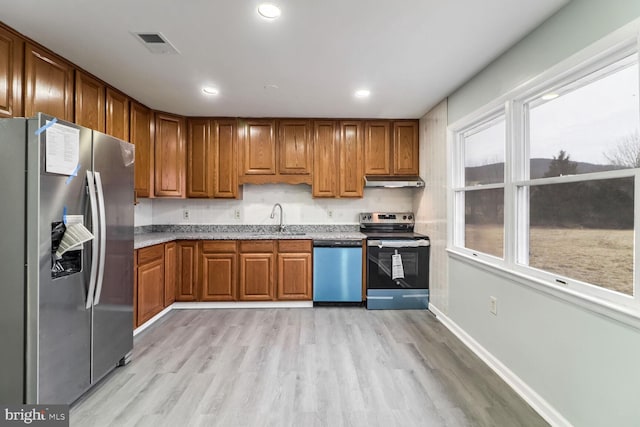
586,123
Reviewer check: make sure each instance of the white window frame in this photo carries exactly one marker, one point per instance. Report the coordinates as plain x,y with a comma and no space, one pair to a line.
460,188
517,182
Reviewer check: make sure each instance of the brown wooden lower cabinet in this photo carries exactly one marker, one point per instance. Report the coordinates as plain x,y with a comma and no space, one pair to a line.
257,270
294,270
187,271
170,272
150,282
220,270
219,277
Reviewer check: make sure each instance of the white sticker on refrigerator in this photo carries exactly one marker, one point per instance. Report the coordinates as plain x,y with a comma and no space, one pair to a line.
62,149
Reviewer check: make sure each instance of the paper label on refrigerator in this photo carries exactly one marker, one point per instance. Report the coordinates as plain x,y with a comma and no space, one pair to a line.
62,149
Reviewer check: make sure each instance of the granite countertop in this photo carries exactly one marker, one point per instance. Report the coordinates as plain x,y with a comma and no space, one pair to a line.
169,234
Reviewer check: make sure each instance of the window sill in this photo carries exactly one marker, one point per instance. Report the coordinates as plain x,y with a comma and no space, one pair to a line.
622,314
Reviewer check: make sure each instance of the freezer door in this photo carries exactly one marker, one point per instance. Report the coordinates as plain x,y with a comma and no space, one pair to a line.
113,300
63,324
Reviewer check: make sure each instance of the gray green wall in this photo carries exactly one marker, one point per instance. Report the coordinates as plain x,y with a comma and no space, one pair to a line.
586,366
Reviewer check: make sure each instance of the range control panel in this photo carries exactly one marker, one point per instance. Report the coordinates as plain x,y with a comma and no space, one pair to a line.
388,218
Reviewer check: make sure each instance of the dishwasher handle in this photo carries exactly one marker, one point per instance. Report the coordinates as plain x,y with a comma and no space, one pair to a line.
337,243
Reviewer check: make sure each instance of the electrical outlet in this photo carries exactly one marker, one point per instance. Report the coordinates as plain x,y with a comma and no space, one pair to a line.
236,214
493,306
185,214
330,214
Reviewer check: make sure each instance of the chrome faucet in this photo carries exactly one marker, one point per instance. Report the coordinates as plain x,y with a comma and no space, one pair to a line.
273,214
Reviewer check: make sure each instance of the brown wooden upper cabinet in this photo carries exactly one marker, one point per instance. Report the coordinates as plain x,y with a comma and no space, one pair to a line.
212,158
142,137
225,152
258,147
48,84
11,67
406,159
117,123
90,102
391,147
325,155
337,143
200,160
377,148
170,156
294,147
350,153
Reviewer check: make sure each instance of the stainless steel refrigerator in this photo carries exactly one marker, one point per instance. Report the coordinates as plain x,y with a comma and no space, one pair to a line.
65,322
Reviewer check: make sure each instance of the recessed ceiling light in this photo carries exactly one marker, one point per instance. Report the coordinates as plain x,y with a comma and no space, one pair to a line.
269,11
210,91
362,93
549,96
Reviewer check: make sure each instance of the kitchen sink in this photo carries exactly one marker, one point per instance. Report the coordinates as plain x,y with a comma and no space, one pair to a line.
292,233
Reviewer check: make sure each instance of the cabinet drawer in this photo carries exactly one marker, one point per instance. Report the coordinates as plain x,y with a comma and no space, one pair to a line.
222,246
150,253
298,246
257,246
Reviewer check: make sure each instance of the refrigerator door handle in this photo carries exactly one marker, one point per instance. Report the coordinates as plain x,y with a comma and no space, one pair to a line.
103,237
95,248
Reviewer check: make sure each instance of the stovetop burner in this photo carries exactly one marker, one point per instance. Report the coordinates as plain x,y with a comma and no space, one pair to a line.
387,223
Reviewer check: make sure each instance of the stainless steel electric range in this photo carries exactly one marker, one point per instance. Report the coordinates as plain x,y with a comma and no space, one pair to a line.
397,261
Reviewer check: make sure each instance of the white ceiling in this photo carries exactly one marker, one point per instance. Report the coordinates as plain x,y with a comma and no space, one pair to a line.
409,53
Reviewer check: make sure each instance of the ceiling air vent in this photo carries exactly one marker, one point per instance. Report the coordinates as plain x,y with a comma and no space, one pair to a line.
156,43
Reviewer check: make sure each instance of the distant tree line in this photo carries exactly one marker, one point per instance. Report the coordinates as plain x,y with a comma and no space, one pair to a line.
604,204
592,204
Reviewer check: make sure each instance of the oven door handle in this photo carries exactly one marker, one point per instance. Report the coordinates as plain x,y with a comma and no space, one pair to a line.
399,243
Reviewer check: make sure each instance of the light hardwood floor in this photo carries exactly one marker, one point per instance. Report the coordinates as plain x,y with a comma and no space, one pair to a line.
326,366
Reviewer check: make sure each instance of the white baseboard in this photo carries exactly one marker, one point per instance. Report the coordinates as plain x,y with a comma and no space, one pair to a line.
242,304
537,402
151,321
230,304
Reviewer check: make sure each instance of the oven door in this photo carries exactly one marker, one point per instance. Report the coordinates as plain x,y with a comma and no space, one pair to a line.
398,264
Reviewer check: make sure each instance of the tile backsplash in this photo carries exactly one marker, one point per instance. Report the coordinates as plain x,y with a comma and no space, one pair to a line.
258,200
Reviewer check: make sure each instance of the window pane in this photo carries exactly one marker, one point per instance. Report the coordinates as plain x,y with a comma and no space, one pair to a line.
591,127
484,154
584,231
484,221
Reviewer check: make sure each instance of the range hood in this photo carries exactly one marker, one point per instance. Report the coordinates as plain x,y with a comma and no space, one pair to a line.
393,181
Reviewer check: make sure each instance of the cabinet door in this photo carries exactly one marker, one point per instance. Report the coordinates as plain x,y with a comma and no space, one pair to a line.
199,159
259,148
135,288
294,143
377,148
187,271
142,138
11,66
169,156
117,122
406,160
351,176
294,276
226,159
324,159
90,103
48,84
150,282
170,272
219,276
256,276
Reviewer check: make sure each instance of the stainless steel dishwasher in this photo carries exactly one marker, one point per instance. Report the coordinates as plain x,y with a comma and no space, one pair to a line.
337,271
